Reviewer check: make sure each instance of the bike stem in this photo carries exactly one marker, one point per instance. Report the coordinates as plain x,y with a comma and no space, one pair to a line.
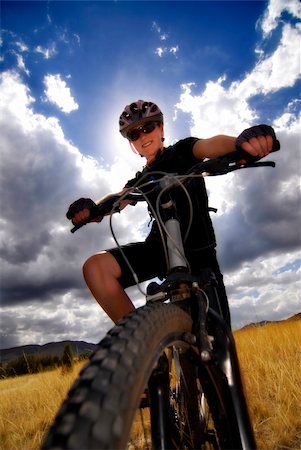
175,248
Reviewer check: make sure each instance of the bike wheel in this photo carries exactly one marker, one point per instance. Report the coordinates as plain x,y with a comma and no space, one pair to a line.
187,404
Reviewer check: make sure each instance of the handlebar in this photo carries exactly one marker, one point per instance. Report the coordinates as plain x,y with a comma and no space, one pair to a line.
211,167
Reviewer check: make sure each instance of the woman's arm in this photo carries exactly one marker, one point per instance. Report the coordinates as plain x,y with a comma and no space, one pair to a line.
257,141
214,147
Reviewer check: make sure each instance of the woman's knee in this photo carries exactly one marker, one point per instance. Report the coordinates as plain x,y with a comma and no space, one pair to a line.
101,264
90,265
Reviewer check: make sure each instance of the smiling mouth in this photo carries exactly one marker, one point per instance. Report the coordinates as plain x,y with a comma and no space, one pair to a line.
146,144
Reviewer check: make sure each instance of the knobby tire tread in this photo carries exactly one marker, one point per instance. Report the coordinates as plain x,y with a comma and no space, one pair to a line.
101,404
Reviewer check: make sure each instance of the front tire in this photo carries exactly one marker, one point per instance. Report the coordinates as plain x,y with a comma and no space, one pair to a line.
100,412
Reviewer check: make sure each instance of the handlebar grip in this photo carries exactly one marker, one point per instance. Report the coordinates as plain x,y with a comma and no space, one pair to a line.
276,146
80,225
76,227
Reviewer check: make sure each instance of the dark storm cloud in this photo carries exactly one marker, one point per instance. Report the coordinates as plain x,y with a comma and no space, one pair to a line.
9,330
16,292
26,249
41,173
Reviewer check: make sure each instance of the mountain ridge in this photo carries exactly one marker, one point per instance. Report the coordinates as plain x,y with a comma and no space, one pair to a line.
49,349
80,347
293,318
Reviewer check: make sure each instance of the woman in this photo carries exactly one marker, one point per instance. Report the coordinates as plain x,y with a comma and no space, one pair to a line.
106,273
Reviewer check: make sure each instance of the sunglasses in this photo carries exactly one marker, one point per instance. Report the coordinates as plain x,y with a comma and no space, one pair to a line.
148,127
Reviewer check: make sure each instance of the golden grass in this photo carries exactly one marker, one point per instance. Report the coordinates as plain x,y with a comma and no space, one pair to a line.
270,358
140,432
28,405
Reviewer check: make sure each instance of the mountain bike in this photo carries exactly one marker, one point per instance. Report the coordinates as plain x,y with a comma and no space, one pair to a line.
167,375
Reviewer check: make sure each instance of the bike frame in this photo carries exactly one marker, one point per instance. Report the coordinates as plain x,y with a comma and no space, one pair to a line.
210,344
224,356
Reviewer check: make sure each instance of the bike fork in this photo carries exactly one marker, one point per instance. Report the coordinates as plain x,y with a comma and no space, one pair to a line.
229,364
158,386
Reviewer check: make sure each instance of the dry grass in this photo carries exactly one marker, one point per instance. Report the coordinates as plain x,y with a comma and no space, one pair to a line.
28,405
270,358
140,432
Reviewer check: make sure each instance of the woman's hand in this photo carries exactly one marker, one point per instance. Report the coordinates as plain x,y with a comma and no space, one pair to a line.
80,211
257,141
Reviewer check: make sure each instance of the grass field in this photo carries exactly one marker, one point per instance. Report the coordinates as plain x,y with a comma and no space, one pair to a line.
270,358
28,404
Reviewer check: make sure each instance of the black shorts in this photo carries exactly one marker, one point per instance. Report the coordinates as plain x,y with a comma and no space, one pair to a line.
147,260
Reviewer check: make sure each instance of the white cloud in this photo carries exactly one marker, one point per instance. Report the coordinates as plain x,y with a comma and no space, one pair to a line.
21,63
279,70
18,104
156,27
77,38
274,11
47,52
21,46
159,51
251,292
59,93
217,108
258,220
41,174
174,50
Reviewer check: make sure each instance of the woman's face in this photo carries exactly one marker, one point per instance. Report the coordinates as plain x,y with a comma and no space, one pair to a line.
147,145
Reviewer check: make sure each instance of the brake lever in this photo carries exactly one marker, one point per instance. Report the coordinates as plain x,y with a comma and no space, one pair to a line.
245,158
225,165
80,225
245,165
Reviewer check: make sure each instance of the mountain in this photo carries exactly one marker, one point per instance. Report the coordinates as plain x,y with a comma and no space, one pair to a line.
50,349
80,347
266,322
295,317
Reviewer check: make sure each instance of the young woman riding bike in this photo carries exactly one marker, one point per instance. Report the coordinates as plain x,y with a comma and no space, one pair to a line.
107,274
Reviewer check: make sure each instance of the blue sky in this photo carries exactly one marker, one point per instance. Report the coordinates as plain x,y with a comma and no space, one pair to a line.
67,70
109,51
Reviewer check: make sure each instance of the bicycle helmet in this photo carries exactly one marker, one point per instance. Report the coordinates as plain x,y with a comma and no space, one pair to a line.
138,112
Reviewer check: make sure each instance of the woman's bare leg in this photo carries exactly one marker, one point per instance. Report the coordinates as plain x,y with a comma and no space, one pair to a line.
101,273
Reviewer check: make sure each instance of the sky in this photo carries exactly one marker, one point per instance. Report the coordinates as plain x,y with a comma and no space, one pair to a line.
67,71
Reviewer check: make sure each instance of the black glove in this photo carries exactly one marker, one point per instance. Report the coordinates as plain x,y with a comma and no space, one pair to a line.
79,205
257,130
